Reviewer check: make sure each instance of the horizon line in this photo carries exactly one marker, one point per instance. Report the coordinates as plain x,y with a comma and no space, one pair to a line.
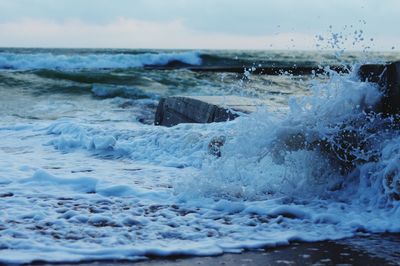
394,51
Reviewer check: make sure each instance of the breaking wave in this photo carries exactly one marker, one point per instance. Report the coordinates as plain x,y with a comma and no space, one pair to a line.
330,149
29,61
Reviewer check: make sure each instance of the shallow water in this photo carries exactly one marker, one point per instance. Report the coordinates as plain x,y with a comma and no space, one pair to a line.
84,175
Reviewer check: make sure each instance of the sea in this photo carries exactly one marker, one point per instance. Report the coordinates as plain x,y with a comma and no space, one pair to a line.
85,175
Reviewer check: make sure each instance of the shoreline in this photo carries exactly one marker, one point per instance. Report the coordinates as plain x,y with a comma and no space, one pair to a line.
359,250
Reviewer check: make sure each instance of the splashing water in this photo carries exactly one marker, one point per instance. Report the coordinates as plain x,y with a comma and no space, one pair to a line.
331,146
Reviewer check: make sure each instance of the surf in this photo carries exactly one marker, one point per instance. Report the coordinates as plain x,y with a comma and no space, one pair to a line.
83,179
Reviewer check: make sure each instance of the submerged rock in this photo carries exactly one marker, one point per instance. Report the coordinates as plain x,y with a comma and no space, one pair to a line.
214,147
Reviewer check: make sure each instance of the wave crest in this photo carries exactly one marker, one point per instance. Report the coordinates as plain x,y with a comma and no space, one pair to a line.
94,61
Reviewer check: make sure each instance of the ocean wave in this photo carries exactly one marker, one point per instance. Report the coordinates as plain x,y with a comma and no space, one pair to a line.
29,61
161,193
109,91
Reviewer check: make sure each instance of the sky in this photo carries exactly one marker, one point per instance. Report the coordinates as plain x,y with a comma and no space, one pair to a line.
202,24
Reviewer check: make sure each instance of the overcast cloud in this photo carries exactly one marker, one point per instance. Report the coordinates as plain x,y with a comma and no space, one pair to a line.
250,24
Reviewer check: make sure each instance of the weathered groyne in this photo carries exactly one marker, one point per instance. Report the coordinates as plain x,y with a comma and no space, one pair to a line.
263,70
207,109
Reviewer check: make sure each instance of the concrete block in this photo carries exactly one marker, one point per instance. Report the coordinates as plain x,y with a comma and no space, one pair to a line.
202,109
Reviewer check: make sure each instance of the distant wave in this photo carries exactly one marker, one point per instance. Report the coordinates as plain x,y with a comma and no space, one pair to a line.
31,61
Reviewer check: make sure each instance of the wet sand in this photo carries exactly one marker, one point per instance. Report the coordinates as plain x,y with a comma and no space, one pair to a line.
366,250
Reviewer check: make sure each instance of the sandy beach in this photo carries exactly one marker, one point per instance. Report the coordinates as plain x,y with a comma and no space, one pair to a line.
367,250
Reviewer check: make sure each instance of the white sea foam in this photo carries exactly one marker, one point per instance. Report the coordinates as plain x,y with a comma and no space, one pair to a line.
93,61
77,189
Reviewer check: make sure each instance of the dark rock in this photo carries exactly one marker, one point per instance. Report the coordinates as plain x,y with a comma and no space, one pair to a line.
388,78
6,195
215,145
